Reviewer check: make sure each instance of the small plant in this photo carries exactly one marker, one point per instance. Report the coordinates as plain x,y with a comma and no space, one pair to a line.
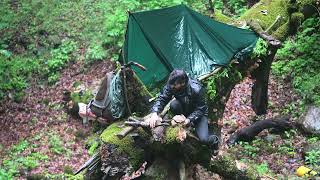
211,88
260,49
249,149
56,144
313,157
95,52
93,148
291,133
287,148
211,82
20,158
313,139
262,168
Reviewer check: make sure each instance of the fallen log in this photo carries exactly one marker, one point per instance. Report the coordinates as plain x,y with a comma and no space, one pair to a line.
249,133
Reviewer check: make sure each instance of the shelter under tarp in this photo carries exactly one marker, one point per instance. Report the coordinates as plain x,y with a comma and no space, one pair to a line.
178,37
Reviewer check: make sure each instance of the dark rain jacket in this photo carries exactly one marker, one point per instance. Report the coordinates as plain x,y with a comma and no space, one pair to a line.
192,100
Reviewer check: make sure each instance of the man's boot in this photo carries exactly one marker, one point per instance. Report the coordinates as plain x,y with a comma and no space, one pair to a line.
214,142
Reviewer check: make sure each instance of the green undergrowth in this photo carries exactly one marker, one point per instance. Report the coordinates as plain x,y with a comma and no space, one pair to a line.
298,61
214,82
280,148
15,73
20,159
56,145
312,154
29,154
42,37
82,96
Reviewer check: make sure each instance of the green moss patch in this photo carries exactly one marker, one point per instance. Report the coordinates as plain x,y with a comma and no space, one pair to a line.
273,8
171,135
125,145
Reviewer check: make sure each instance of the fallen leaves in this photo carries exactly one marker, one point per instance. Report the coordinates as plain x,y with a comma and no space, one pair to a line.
42,111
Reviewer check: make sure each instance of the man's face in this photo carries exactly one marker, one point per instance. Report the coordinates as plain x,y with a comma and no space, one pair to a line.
178,86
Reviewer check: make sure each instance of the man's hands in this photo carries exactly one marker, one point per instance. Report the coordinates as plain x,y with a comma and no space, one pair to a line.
187,122
154,119
177,119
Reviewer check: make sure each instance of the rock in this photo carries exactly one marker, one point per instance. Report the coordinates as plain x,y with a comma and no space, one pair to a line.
312,146
311,121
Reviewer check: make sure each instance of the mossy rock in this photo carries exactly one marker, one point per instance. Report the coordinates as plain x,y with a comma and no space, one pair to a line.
125,145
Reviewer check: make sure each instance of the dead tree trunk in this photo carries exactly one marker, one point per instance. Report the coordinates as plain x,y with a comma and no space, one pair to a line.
259,96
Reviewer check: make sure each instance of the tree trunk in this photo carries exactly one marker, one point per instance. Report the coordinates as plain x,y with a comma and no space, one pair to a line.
259,97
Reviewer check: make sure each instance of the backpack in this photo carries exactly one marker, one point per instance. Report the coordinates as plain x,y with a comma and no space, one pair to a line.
109,101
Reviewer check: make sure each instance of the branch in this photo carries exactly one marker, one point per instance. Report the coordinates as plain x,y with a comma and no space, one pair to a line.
255,26
278,19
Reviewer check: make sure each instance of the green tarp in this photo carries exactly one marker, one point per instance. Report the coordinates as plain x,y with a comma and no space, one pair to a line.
178,37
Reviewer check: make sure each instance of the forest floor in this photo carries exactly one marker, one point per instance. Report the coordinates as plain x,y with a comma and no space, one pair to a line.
276,154
40,124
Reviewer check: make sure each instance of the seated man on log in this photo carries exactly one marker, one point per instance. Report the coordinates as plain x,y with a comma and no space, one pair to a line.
189,102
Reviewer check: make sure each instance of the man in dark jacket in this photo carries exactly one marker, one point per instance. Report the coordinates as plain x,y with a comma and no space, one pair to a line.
189,101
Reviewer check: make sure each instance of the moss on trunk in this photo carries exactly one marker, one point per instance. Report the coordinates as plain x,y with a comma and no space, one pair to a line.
126,145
